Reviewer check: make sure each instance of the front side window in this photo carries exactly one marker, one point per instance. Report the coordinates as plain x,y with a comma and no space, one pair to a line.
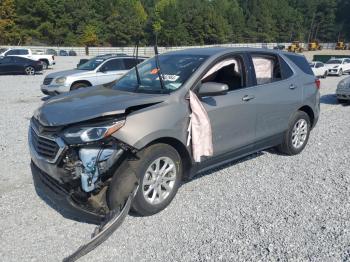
228,71
175,70
13,52
92,64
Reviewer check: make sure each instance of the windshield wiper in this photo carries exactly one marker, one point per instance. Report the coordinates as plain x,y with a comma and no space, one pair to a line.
136,69
159,72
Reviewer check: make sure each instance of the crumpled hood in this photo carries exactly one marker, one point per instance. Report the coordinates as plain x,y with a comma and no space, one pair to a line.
66,73
90,103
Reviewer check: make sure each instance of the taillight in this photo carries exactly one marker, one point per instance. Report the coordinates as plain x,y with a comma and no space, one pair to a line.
318,83
53,57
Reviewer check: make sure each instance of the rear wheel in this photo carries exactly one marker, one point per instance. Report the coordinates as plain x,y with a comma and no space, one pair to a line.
159,170
79,85
29,70
325,74
297,135
45,65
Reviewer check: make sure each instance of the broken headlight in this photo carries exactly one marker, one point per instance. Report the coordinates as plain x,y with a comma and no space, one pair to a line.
83,134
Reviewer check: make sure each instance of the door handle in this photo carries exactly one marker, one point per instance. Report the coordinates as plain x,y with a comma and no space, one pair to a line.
247,98
292,86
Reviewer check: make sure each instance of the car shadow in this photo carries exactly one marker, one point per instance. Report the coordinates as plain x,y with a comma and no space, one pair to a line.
45,98
224,166
329,99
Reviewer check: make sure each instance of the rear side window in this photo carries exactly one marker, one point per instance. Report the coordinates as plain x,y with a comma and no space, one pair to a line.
267,68
285,69
301,62
23,52
114,65
129,63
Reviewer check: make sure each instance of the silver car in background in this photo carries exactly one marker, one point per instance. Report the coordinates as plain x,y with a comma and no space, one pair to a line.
96,71
343,91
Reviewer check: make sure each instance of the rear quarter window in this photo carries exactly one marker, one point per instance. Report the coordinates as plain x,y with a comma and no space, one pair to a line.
301,62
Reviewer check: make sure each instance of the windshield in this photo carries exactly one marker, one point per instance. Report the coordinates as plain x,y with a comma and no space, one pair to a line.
334,62
92,64
175,69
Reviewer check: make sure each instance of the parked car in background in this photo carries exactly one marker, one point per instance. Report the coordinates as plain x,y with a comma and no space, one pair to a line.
319,69
98,146
72,53
279,47
19,65
96,71
51,52
2,50
84,60
338,66
343,91
63,53
48,60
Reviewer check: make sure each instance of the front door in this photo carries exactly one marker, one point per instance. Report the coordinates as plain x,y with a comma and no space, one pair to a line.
111,70
233,115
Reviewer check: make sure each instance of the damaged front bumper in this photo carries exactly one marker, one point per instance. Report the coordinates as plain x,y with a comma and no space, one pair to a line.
62,197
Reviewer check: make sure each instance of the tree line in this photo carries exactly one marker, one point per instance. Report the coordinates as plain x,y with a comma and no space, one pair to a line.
173,22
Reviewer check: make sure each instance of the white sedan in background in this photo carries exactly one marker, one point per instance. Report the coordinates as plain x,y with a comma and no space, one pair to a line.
338,66
319,69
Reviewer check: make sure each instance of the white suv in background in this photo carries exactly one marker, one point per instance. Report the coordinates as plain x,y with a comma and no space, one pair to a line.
338,66
96,71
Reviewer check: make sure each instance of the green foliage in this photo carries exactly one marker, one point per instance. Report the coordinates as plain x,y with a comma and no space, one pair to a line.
174,22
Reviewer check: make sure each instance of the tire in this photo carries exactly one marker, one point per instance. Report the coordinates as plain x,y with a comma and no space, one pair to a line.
325,74
290,145
45,65
142,203
29,70
79,85
340,72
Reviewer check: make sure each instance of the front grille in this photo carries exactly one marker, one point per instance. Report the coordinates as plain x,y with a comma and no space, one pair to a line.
47,81
43,146
45,130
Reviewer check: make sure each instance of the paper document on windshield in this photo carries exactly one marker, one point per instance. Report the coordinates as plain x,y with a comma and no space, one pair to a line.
199,130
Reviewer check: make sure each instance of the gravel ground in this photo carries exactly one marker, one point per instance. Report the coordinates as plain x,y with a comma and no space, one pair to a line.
264,207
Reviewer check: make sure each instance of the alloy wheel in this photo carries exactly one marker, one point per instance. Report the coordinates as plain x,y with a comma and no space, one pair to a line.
30,70
159,180
299,133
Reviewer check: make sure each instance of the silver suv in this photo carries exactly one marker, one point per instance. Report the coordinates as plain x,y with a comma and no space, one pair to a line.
96,71
105,149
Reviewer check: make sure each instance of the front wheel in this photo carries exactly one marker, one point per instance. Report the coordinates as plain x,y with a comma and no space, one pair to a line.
340,72
325,74
159,170
297,135
29,70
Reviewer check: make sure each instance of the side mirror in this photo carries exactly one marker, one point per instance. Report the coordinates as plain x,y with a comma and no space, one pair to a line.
213,89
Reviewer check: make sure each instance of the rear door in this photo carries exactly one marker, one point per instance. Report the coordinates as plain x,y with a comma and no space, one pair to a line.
111,70
278,95
233,115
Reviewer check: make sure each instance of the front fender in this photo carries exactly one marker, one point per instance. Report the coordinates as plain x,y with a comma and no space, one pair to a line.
163,120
